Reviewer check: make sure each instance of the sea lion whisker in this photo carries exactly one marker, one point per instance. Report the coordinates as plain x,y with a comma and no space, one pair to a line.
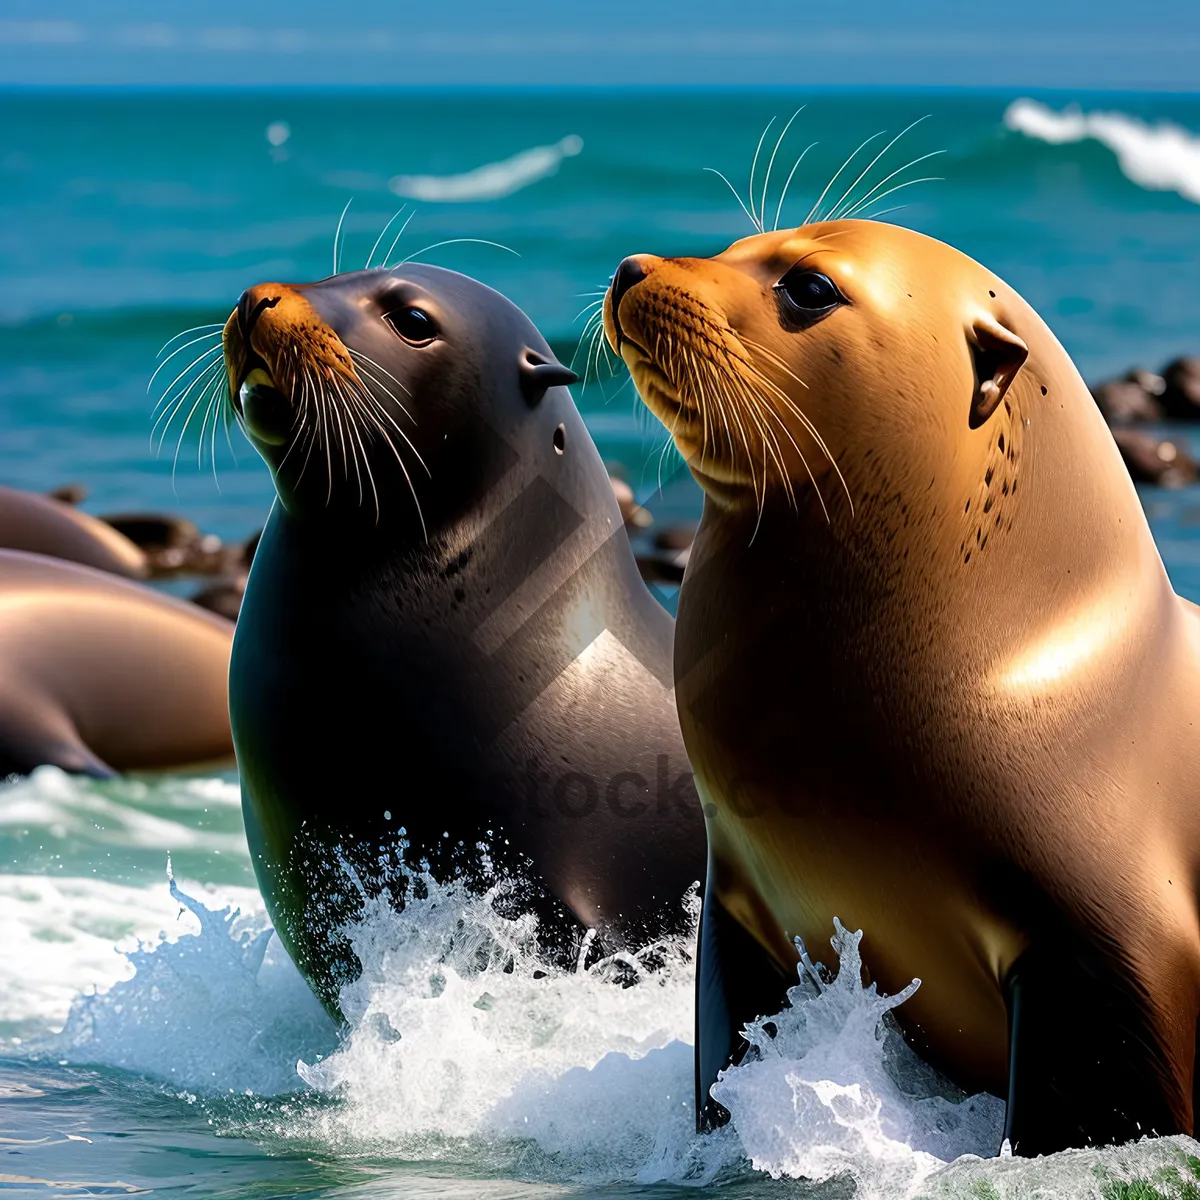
788,183
756,406
762,208
871,196
309,440
762,137
601,351
382,235
812,432
204,337
345,410
335,411
208,396
227,408
734,190
383,370
168,415
899,186
357,431
586,337
771,357
211,411
751,402
734,408
455,242
404,470
396,239
299,421
592,304
200,396
821,198
765,408
874,216
213,326
374,400
760,497
166,396
337,233
326,438
833,212
803,462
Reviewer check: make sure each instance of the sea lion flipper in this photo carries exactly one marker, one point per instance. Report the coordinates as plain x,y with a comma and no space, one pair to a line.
36,733
1086,1063
736,981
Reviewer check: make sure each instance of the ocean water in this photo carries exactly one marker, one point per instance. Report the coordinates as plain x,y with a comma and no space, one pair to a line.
154,1040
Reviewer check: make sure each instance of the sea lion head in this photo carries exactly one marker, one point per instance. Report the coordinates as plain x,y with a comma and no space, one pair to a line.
804,365
369,393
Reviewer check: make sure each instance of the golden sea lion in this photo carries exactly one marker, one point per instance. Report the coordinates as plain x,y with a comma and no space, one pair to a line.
931,674
98,675
46,525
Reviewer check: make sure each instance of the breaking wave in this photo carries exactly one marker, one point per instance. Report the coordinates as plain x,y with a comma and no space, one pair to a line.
1161,157
491,181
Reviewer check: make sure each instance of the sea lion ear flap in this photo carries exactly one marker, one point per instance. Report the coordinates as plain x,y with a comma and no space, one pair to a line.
539,374
998,355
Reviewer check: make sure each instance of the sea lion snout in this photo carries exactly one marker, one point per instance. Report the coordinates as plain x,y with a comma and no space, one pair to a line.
275,341
630,272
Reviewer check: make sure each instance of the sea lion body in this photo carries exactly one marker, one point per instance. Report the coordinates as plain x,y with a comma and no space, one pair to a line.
446,636
45,525
100,675
932,676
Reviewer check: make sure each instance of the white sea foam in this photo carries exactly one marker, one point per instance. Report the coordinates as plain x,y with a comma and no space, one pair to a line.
465,1045
222,1009
110,812
491,181
1161,157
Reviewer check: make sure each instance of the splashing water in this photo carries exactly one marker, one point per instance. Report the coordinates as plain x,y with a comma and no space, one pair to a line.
464,1045
854,1098
464,1048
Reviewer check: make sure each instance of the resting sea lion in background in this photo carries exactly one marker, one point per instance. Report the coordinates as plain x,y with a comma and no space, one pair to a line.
443,631
44,525
932,676
98,675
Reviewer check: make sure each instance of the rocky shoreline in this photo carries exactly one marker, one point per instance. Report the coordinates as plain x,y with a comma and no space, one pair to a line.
1141,398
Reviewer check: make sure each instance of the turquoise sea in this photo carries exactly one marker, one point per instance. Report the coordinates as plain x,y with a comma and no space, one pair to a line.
198,1065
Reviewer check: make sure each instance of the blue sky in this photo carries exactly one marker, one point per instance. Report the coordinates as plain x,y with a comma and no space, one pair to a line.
1147,44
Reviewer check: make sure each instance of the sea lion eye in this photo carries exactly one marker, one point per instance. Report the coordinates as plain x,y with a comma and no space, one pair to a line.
413,324
808,295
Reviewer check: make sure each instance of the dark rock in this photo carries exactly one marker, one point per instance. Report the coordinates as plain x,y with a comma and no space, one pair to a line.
1181,391
154,531
1129,400
174,546
1164,461
248,548
69,493
223,597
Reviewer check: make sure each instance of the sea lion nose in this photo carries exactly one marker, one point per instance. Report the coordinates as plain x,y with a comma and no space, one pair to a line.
251,305
630,271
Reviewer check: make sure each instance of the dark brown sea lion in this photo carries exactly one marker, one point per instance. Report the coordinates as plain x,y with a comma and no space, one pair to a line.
932,675
443,632
98,675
